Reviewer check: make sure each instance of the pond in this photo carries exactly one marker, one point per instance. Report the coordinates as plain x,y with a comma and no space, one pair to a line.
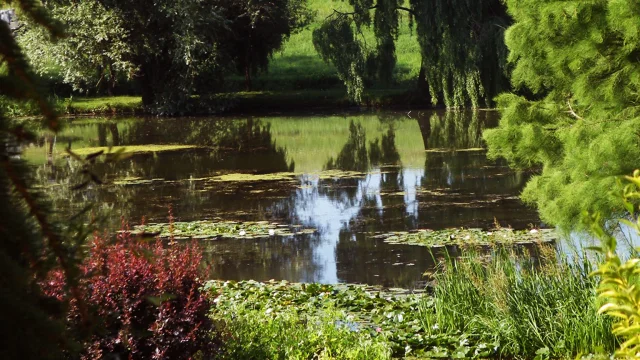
349,176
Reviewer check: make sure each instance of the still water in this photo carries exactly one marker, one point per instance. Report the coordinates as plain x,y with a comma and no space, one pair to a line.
348,175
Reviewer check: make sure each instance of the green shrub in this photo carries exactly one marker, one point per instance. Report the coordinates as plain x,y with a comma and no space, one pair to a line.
619,288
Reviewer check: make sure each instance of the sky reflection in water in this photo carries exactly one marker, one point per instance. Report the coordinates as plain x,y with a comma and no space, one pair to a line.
398,173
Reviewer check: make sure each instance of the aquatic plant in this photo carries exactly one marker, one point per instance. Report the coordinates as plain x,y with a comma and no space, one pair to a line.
131,149
207,229
469,237
268,316
526,308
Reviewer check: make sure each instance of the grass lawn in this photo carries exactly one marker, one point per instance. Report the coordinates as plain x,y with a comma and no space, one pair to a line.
113,102
298,65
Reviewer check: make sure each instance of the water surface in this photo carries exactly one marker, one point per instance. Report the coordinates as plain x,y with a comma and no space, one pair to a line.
348,175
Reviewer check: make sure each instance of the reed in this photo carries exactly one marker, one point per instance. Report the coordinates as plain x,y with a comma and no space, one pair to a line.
526,308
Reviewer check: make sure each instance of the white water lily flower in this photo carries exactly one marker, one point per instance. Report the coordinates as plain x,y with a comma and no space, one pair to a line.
272,232
242,233
467,237
534,231
489,233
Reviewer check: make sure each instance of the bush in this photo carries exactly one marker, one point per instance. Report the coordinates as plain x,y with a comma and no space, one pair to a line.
619,287
145,300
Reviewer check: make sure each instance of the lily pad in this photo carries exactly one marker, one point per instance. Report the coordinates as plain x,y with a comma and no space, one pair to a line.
468,237
209,230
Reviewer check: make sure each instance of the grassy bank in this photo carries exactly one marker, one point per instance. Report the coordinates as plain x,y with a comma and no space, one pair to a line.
505,307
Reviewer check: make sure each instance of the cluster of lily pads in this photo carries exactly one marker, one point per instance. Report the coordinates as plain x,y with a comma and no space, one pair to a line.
393,315
210,230
469,237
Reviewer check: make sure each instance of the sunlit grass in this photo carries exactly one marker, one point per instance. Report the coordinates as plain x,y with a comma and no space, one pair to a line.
114,100
298,65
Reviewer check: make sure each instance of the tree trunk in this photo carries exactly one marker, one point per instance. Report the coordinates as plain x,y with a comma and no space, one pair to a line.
115,134
425,129
247,77
423,84
146,85
112,80
247,65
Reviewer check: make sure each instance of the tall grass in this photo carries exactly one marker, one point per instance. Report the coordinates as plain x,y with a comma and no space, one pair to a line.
522,307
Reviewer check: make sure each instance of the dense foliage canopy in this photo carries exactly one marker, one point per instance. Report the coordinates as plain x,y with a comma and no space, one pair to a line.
579,60
168,47
461,43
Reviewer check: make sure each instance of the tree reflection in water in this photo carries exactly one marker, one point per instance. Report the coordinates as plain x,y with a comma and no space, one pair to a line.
413,176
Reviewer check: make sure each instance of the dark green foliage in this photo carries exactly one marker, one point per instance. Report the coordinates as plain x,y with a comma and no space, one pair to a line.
579,61
29,243
353,155
461,45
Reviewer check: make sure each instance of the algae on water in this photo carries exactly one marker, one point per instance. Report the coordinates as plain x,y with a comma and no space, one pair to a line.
132,149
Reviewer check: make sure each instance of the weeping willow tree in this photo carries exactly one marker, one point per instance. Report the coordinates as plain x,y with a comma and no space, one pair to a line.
581,124
461,43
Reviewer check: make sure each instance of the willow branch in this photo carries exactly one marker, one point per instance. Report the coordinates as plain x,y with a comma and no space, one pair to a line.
410,11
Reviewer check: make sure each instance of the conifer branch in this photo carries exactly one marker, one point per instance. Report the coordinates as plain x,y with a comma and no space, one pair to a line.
55,241
573,113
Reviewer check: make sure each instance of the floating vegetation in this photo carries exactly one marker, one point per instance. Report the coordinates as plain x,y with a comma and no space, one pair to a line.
285,176
242,177
211,230
389,315
132,149
137,181
469,237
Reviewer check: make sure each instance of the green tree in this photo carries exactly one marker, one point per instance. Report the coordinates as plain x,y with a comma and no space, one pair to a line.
163,45
579,62
100,34
259,28
461,43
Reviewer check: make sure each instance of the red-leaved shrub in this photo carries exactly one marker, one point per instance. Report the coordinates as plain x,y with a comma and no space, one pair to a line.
145,300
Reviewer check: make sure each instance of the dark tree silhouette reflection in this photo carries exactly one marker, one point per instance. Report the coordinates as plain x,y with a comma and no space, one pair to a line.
353,156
